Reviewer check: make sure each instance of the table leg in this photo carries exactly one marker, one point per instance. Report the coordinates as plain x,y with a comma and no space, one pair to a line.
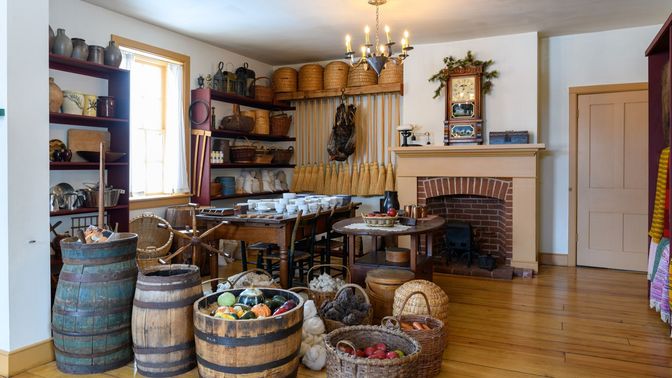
351,251
414,251
214,270
284,267
430,241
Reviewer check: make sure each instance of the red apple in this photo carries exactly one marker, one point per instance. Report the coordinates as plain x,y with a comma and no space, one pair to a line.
360,353
345,349
378,354
392,212
381,346
391,355
369,350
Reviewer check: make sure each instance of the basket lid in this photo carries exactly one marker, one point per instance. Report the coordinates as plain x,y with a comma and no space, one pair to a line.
389,276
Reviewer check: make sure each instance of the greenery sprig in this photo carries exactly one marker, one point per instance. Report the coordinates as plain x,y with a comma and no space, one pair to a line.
452,63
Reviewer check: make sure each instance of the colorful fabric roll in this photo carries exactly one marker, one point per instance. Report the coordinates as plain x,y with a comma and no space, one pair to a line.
658,217
660,295
653,256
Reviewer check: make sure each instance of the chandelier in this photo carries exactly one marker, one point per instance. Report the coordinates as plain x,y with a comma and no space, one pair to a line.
377,54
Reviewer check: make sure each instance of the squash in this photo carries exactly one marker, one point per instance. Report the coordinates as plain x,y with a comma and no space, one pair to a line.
262,310
273,304
247,315
251,297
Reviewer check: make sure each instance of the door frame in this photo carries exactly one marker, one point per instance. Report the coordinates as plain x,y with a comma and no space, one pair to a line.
574,93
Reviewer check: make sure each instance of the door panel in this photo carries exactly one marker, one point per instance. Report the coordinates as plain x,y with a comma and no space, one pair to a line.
612,180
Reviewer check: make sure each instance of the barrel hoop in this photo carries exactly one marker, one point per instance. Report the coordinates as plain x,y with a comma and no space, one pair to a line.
168,287
89,369
248,341
87,313
149,374
162,365
167,305
247,369
98,277
93,355
119,329
99,261
161,350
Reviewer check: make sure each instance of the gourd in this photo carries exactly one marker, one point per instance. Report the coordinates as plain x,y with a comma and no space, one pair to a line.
251,297
261,310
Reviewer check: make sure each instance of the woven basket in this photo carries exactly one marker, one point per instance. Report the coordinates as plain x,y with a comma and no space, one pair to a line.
281,156
336,75
280,124
310,77
242,153
320,297
437,299
262,122
262,92
342,364
392,73
359,76
146,261
285,80
432,341
263,155
249,113
152,240
334,324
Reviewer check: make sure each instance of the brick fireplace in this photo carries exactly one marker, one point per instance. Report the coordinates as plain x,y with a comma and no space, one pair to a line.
494,187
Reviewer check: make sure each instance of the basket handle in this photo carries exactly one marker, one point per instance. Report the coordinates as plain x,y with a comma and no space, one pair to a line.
263,77
390,322
245,273
298,289
347,343
403,306
354,286
217,279
331,266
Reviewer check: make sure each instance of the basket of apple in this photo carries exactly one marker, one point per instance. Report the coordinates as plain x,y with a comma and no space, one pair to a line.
370,351
381,219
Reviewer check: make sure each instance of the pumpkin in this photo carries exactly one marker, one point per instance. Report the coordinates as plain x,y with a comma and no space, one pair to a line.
261,310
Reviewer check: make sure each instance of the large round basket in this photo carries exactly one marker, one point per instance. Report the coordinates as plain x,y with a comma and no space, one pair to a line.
267,347
380,287
359,76
437,298
342,364
432,340
148,260
152,240
162,322
280,124
392,73
262,92
320,297
310,77
242,153
334,324
285,80
336,75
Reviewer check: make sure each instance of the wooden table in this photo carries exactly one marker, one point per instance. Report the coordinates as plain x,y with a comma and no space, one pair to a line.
419,264
253,230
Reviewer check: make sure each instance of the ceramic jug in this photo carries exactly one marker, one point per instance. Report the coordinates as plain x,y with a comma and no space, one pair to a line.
80,50
112,55
73,102
62,44
391,201
96,54
52,36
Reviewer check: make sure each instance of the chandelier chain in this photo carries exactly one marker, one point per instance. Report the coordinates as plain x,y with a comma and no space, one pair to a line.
377,28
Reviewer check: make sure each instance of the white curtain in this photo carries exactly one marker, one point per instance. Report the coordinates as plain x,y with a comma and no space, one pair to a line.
137,161
175,179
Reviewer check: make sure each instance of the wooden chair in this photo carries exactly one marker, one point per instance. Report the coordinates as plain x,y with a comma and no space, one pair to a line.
334,243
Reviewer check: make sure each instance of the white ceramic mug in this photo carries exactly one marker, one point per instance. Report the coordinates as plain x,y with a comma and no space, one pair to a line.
280,207
73,102
291,209
303,208
288,195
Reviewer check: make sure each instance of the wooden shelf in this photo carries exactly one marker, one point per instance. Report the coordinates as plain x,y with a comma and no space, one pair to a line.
245,101
262,137
67,64
352,91
245,195
251,165
83,210
82,120
79,165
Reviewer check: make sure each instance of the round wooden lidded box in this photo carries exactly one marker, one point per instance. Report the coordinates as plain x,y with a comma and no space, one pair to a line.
336,75
310,77
253,348
380,287
285,80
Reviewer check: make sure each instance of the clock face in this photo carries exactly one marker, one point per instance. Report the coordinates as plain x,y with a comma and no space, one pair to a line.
463,89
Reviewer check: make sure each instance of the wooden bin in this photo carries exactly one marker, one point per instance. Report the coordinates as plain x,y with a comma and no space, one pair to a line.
262,122
391,74
252,348
359,76
91,316
310,77
336,75
380,287
162,321
285,80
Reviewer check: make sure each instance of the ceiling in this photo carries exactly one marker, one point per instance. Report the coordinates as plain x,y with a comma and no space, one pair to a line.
295,31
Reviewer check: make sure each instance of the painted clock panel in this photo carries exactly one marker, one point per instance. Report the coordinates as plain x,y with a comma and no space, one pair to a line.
463,89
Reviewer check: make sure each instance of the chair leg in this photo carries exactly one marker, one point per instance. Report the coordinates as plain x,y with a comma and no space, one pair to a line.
345,251
260,261
243,255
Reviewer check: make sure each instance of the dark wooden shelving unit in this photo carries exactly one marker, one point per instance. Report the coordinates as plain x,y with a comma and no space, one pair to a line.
250,165
245,195
113,210
260,137
82,120
241,100
81,166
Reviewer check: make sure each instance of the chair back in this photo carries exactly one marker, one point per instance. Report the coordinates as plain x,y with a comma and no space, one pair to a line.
307,222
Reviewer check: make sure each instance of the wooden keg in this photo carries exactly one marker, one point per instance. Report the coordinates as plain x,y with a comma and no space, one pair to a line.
310,77
380,287
91,316
252,348
336,75
162,322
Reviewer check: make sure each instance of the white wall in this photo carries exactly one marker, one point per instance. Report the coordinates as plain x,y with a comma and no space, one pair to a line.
512,104
609,57
24,174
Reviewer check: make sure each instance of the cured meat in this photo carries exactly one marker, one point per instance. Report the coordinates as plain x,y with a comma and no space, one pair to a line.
342,139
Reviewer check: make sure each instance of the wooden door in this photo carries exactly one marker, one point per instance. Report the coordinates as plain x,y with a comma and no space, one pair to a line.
612,179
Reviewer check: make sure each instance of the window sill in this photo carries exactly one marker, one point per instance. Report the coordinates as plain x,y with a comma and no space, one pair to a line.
148,202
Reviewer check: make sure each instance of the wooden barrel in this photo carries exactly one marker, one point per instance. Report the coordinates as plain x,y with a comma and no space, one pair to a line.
254,348
162,322
380,287
91,316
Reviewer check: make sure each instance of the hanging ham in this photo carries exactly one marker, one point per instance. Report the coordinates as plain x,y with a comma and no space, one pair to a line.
342,139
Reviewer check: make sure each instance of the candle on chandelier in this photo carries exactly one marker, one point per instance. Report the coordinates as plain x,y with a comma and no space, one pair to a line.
408,40
387,33
403,44
367,40
363,52
382,49
348,46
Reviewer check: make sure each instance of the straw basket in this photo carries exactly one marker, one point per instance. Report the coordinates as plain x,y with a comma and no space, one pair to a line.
280,124
391,74
152,240
263,155
334,324
242,153
433,340
342,364
146,261
320,297
359,76
262,92
310,77
249,113
285,80
336,75
282,156
436,298
262,122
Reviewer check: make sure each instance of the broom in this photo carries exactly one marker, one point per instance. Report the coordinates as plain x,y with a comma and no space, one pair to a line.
373,189
295,179
345,185
354,183
327,179
299,182
319,180
333,184
341,177
380,182
365,181
389,180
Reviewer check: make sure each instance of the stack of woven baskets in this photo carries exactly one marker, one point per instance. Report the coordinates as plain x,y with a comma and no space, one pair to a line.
153,242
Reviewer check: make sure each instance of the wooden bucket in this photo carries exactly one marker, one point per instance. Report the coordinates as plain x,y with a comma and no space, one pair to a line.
91,316
336,75
285,80
392,73
162,321
310,77
360,76
380,287
253,348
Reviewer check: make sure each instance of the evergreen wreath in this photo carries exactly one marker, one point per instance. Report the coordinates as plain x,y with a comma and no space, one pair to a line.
470,60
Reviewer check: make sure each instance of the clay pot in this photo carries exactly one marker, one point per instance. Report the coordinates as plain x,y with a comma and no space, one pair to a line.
106,107
96,54
52,36
55,96
62,44
73,102
80,50
112,55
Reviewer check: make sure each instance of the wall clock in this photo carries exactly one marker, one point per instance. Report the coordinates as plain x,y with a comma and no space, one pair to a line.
463,123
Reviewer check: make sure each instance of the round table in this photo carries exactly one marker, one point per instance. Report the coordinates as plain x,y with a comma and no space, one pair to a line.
419,264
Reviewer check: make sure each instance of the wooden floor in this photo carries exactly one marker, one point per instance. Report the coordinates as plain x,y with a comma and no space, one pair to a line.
566,322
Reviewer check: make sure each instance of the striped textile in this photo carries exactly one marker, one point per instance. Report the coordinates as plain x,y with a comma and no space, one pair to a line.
658,218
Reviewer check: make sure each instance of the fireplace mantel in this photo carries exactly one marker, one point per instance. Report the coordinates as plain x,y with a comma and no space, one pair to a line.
517,162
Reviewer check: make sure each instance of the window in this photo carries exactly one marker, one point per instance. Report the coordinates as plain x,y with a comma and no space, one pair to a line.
158,132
